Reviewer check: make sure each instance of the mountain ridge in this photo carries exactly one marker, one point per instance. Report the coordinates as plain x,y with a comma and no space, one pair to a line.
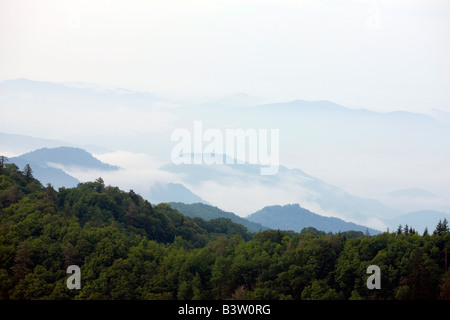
66,156
317,193
46,164
294,217
419,220
208,212
172,193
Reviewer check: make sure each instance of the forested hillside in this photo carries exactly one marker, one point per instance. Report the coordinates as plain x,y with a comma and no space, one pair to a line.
128,249
208,212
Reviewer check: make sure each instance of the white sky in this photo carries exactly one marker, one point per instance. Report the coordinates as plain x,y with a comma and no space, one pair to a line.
382,55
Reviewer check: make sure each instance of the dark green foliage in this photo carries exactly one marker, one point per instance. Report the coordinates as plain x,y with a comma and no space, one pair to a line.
208,212
441,227
313,231
128,249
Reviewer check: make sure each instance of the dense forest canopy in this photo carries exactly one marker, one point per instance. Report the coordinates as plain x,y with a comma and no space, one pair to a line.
127,248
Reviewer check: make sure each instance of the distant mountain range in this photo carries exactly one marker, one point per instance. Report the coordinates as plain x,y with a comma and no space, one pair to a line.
419,220
349,158
208,212
287,217
416,199
162,192
48,164
65,156
293,217
240,180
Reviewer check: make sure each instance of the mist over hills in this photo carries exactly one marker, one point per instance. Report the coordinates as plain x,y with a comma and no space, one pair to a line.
65,156
419,220
302,188
173,192
334,161
45,162
48,164
288,217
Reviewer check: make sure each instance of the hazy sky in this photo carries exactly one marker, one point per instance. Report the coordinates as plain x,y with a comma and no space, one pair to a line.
383,55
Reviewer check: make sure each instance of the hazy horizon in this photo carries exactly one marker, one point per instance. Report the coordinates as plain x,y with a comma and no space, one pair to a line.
379,55
152,67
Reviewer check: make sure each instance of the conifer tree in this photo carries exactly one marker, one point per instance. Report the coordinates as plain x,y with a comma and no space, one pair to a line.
441,227
3,160
28,173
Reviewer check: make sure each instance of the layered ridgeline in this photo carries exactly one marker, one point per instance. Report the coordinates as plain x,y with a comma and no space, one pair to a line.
55,166
168,192
49,164
294,217
127,248
208,212
315,136
288,217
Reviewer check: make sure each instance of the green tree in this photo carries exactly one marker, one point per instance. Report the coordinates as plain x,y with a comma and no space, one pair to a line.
320,290
22,261
422,276
3,161
441,227
28,173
